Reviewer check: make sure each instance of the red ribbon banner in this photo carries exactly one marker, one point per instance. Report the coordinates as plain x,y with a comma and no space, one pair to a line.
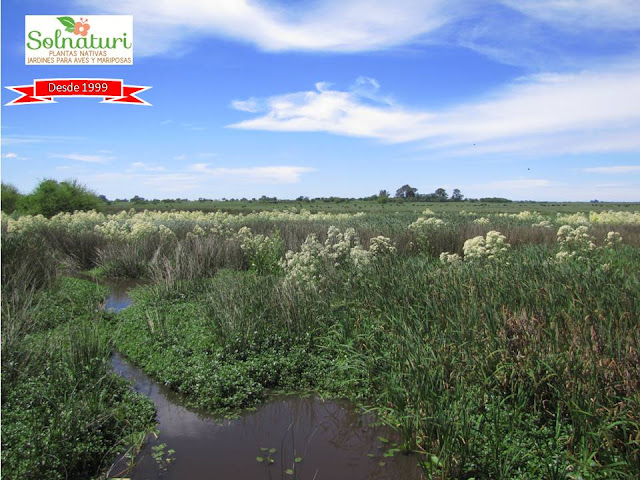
111,91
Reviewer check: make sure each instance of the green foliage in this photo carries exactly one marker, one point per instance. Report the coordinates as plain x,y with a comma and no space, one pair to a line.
10,198
51,197
65,414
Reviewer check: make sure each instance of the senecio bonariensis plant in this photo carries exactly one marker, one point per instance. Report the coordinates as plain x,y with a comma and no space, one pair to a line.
340,253
576,243
493,246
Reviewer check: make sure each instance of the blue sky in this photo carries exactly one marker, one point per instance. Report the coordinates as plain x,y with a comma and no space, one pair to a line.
525,99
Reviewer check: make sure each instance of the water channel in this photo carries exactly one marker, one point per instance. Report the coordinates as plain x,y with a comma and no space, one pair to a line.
303,438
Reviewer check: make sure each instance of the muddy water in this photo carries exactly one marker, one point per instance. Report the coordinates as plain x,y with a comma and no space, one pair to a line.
331,438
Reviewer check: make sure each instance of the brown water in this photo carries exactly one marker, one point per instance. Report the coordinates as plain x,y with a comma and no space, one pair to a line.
333,440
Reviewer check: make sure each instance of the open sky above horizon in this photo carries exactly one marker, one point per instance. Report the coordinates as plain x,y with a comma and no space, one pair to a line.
524,99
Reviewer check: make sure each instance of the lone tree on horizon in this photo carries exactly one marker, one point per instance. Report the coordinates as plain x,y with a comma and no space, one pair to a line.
406,192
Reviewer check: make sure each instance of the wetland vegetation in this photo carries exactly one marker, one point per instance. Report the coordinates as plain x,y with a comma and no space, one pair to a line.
499,344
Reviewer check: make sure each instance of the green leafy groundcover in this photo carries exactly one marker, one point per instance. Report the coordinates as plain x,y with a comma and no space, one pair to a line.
64,413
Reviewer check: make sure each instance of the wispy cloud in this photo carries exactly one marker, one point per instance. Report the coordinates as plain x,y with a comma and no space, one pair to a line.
83,158
597,110
146,167
10,155
168,28
270,174
616,169
330,25
28,139
582,14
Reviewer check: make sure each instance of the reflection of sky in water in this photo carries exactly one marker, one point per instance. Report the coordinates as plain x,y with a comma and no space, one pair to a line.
330,436
119,298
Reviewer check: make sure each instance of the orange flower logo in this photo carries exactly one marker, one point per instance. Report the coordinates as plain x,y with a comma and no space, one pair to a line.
78,28
81,27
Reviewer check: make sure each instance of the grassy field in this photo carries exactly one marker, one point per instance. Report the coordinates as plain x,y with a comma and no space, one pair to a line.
369,206
502,342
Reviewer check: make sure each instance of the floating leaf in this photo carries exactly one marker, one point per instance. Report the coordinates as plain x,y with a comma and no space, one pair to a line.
297,459
68,22
272,450
260,459
263,449
381,464
383,440
270,460
370,455
288,471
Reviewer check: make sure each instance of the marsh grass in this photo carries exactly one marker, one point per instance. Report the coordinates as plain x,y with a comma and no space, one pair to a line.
522,372
521,367
57,383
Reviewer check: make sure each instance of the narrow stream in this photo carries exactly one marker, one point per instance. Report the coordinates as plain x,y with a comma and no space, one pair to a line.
331,440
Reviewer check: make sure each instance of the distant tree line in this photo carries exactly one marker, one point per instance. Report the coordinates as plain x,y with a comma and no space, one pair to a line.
51,197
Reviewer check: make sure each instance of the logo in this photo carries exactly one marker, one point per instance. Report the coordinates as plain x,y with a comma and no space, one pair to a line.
110,90
78,40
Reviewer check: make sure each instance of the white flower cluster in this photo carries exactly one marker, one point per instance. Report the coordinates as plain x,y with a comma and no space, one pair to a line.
341,251
131,225
613,239
543,224
26,224
574,242
380,246
525,216
423,226
447,258
464,213
615,218
262,252
493,246
482,221
197,232
572,219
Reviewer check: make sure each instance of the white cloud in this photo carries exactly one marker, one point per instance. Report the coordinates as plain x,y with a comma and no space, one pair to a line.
250,105
146,167
10,155
580,14
83,158
329,25
271,174
614,169
200,179
28,139
589,111
170,28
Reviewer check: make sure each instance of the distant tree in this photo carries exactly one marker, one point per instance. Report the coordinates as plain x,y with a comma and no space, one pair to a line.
406,192
137,199
10,198
457,196
104,199
51,197
383,196
442,194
